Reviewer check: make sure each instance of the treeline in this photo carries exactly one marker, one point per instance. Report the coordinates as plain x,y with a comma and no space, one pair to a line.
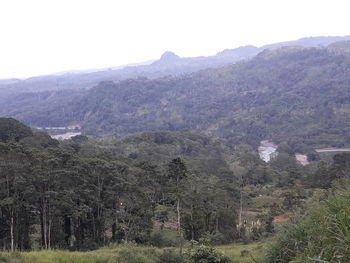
59,196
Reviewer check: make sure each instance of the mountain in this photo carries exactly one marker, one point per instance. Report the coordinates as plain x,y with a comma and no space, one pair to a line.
296,96
169,57
309,42
168,64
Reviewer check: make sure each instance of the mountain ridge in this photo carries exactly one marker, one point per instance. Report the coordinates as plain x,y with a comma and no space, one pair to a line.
86,80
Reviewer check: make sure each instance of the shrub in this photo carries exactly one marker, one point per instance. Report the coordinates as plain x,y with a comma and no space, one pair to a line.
205,254
244,253
134,254
157,239
171,256
322,236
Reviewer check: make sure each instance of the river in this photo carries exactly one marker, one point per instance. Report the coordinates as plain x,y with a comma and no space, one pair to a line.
62,133
65,136
302,159
266,150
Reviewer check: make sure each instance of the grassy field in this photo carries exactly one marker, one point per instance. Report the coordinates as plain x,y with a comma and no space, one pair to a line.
244,253
239,253
125,253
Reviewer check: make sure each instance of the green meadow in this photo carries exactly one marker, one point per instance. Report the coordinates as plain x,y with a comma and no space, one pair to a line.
130,253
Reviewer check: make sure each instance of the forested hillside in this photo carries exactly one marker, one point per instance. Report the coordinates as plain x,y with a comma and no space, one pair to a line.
299,96
83,194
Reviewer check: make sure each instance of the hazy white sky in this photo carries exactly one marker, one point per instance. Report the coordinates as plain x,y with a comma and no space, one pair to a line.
45,36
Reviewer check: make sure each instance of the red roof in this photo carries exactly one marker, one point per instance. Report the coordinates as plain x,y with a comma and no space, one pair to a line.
280,219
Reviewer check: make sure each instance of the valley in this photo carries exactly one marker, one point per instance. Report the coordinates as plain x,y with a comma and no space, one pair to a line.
241,157
241,103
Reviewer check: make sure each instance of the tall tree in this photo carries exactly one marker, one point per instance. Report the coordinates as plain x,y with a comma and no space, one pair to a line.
177,172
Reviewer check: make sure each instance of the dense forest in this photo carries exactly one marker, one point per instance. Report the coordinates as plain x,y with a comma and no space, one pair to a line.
264,98
152,188
168,169
81,195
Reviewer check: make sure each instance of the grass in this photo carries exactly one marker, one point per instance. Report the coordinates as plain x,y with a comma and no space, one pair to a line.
129,253
53,256
244,253
113,254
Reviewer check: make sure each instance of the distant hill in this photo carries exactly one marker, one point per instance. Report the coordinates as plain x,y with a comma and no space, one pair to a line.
309,42
294,95
168,64
12,130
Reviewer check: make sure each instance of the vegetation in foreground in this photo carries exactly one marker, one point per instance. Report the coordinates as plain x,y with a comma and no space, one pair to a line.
131,253
84,194
321,236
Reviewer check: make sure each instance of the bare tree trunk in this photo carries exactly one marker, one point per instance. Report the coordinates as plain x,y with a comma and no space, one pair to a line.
12,231
192,224
44,223
49,231
179,225
72,234
240,209
12,221
115,223
126,233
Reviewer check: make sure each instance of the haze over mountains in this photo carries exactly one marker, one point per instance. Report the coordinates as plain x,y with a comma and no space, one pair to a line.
168,64
301,83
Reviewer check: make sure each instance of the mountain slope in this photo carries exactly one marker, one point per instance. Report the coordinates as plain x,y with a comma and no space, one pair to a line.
296,95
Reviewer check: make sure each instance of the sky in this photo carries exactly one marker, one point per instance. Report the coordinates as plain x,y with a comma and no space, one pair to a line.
45,36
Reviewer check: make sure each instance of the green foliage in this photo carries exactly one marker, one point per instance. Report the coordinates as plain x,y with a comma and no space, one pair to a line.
321,236
133,255
171,256
83,194
205,254
252,252
290,242
326,173
11,129
121,253
130,254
